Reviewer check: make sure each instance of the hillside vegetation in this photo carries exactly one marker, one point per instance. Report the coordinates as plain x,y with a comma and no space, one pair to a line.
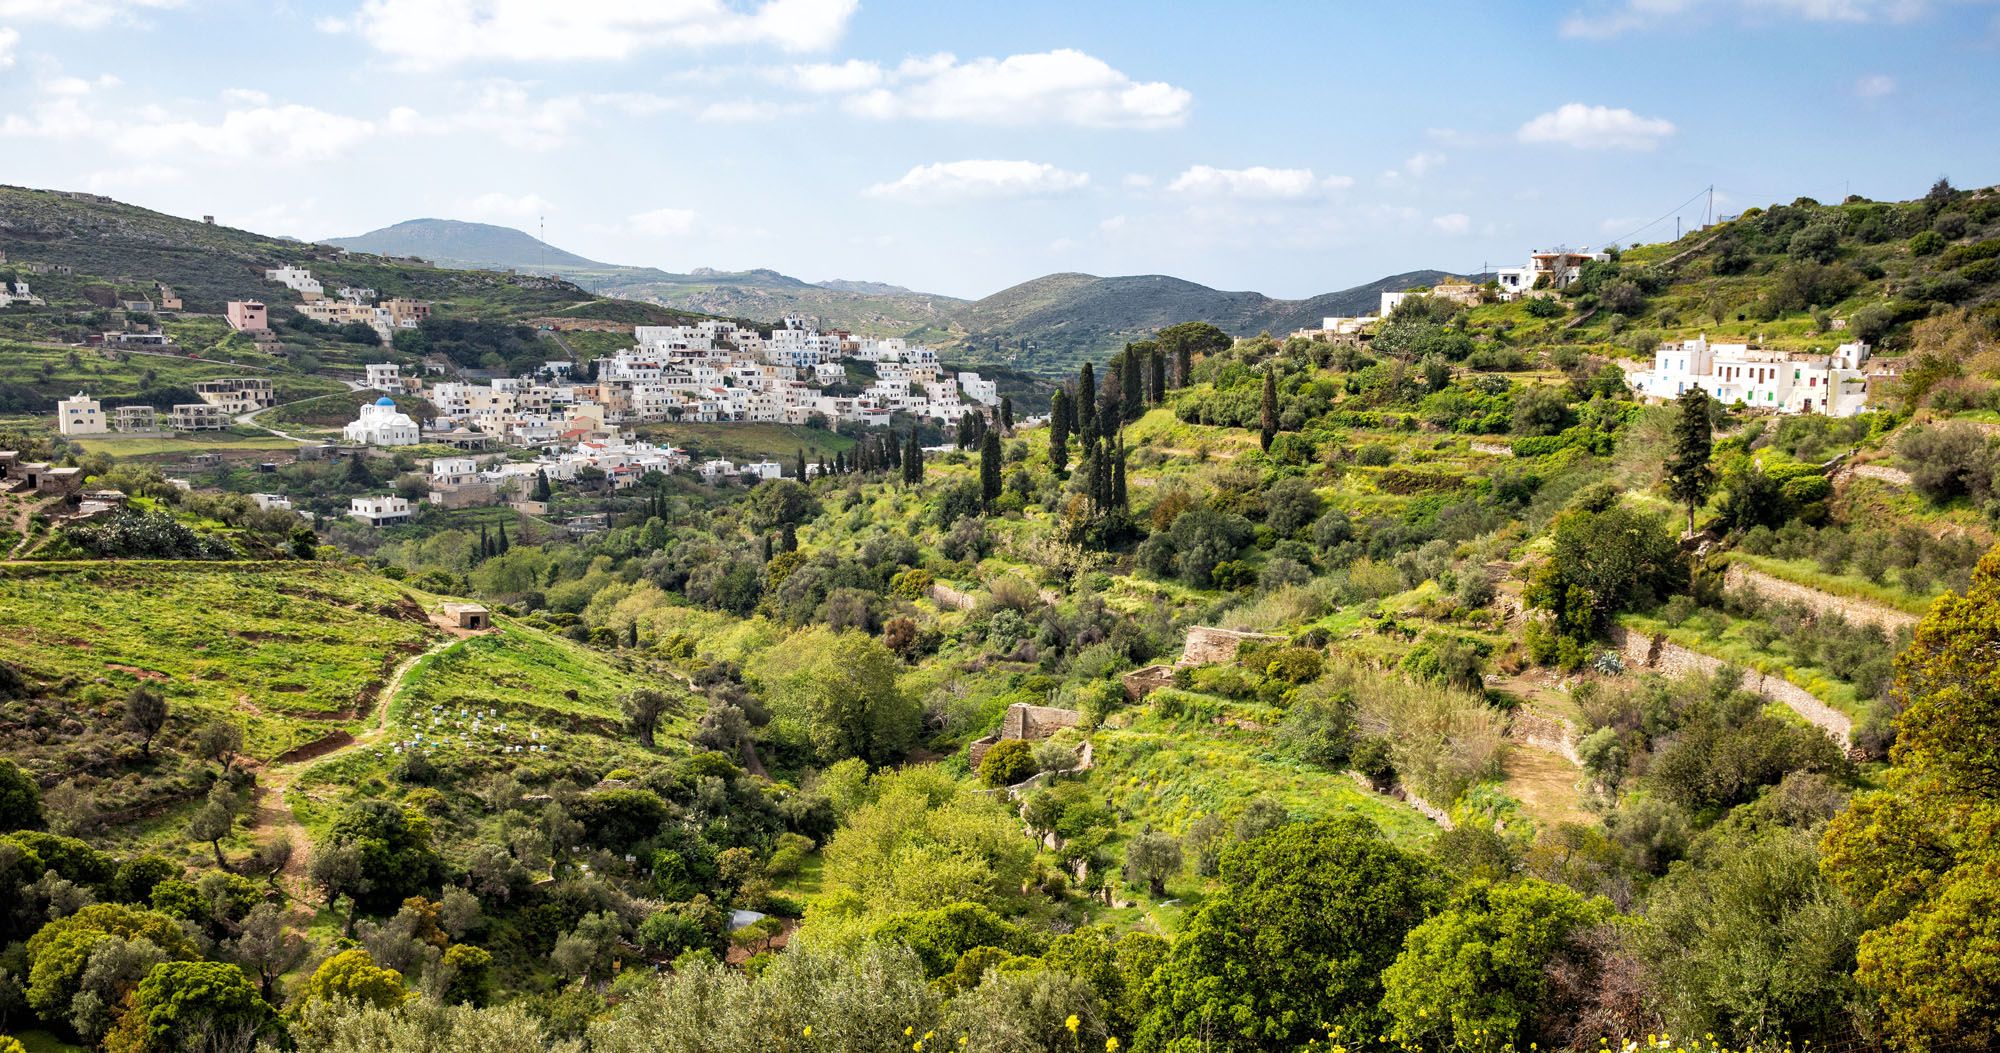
1406,693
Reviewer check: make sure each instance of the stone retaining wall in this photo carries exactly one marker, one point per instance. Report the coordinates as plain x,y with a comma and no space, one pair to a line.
1854,610
1660,654
1553,734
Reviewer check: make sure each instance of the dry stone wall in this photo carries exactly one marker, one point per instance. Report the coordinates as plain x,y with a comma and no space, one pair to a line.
1657,653
1854,610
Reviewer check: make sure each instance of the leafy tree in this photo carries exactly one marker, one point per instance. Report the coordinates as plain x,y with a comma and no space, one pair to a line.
643,709
215,819
778,502
1689,475
1294,943
1753,943
267,945
942,936
336,869
925,840
20,798
62,952
1007,762
351,977
1150,859
1603,562
191,1006
1184,341
395,851
145,714
1540,409
838,691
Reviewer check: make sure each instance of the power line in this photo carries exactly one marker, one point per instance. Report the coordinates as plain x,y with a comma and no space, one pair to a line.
1671,213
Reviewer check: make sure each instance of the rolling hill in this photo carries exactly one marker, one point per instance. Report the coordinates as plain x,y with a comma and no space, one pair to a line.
460,244
1044,325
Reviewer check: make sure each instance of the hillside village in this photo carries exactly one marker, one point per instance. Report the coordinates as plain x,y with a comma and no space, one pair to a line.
462,650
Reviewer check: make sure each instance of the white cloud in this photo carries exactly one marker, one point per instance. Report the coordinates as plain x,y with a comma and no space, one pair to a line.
1612,19
78,14
1422,162
1875,86
1138,181
1051,87
1256,183
1452,222
740,111
283,133
9,40
830,78
1112,225
430,34
955,180
246,97
664,222
1596,128
496,207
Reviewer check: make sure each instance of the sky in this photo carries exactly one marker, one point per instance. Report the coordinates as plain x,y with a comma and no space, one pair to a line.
956,147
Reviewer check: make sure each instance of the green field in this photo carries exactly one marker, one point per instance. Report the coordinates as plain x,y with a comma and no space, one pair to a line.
289,650
747,440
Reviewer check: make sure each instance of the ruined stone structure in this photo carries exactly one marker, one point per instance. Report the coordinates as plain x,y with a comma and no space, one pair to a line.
1208,646
1142,682
1023,721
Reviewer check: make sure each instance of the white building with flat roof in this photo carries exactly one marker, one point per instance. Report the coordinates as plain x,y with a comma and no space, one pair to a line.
380,510
297,279
80,414
1760,378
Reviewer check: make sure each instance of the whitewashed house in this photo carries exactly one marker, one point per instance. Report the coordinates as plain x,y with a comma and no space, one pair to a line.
380,510
1760,378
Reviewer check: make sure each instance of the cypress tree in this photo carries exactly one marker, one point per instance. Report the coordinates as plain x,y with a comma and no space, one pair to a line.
1689,475
1086,404
1007,412
1118,496
1059,431
1157,360
788,538
913,461
802,464
1131,372
767,548
1183,364
503,544
485,543
1268,422
989,470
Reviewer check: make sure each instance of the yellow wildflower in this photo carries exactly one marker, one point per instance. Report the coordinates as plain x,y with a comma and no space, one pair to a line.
1111,1045
808,1032
1071,1023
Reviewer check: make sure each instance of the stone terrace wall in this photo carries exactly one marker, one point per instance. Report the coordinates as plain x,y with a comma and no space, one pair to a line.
1553,734
1854,610
1660,654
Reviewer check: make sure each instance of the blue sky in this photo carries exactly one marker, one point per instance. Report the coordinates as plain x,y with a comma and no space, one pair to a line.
1292,148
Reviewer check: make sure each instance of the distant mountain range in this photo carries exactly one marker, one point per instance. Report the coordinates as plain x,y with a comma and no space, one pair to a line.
1048,323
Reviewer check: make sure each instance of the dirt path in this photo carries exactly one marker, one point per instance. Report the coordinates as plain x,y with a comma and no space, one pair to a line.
250,419
22,515
273,815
